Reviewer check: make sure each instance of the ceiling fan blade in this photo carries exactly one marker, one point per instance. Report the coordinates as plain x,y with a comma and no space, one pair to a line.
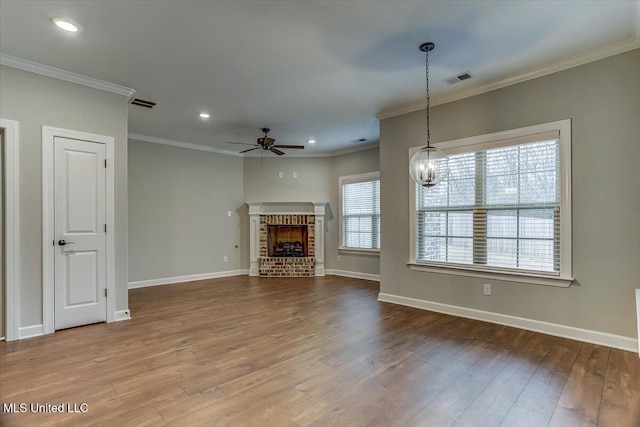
239,143
276,151
289,146
250,149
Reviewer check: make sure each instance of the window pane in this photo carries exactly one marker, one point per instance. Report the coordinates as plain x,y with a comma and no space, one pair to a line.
460,224
460,250
361,198
502,252
433,248
435,223
502,223
358,240
536,255
434,196
502,190
539,156
359,224
524,174
457,190
462,192
538,187
537,223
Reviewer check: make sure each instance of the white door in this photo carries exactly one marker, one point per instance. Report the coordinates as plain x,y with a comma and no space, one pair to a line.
80,232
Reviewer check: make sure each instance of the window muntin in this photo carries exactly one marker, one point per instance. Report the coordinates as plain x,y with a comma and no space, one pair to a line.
360,211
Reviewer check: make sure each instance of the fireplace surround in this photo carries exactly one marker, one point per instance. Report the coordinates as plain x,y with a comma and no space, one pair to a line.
286,239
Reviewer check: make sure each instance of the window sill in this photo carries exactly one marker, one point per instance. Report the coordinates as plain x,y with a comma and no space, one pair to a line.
360,251
532,279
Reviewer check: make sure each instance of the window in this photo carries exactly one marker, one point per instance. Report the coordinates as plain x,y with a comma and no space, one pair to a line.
504,207
360,212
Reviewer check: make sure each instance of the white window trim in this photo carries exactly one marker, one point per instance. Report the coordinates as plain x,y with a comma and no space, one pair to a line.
481,142
352,179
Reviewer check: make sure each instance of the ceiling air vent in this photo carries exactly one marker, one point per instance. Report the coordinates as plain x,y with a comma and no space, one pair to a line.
143,103
459,78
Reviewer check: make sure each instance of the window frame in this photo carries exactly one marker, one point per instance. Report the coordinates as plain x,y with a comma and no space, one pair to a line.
564,277
354,179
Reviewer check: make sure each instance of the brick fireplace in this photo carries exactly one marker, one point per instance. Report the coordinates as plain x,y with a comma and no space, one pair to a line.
286,239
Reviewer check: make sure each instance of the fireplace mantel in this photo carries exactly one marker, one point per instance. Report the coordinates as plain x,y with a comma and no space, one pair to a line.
287,208
258,209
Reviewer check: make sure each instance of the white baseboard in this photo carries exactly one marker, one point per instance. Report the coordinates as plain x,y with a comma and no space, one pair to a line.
30,331
123,315
189,278
593,337
354,274
638,314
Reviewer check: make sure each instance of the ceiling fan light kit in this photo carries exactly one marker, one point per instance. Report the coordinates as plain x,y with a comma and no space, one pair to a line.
428,166
267,143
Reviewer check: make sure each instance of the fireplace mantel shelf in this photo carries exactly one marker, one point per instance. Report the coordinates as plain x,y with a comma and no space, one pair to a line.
287,208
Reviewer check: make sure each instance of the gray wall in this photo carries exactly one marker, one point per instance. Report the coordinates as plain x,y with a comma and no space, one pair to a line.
178,205
263,184
35,101
603,100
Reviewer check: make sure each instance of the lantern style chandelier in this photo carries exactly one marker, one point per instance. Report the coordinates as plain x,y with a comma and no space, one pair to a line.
428,166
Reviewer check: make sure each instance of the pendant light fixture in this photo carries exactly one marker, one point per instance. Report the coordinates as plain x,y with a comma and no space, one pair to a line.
428,166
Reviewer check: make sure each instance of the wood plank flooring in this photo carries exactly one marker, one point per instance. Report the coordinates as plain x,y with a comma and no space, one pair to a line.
311,352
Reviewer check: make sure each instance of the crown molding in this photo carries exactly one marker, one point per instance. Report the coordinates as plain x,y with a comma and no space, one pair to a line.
180,144
56,73
191,146
575,61
356,149
334,153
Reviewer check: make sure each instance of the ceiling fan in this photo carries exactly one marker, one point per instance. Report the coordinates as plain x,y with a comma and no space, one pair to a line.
267,144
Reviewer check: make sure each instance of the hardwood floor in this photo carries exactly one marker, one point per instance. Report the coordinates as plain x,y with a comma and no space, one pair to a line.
311,352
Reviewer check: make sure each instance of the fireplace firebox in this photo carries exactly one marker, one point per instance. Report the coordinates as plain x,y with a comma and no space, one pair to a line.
287,241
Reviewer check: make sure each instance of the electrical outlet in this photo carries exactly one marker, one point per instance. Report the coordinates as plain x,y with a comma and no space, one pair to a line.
295,174
226,259
229,214
338,257
280,175
487,289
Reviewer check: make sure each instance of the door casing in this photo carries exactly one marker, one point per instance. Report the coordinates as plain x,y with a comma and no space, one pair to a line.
48,249
12,225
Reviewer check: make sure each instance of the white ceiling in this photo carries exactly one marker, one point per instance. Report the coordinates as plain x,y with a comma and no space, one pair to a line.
307,69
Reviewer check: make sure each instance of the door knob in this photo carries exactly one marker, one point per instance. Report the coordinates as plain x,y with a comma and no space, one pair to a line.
63,242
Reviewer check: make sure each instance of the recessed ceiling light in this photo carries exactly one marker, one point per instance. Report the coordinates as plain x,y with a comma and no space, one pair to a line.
66,24
311,141
204,115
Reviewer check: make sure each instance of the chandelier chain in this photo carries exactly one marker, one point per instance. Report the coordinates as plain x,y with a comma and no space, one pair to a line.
428,97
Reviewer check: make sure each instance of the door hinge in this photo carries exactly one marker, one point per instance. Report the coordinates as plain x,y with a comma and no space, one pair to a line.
105,292
105,163
105,228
